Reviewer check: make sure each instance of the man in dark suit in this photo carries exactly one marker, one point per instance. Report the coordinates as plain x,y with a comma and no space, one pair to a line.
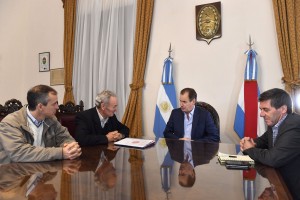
99,160
99,125
279,146
191,154
190,122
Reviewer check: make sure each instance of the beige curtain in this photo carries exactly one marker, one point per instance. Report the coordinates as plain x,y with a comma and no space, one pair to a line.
66,190
287,18
69,34
137,177
133,113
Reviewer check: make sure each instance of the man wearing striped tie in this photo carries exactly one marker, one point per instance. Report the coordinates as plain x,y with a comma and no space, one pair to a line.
191,154
190,122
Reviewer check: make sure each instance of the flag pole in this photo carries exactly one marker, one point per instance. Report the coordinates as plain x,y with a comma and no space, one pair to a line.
170,51
166,98
250,44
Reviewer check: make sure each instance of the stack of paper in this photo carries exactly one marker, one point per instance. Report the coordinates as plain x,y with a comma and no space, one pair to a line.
227,157
135,142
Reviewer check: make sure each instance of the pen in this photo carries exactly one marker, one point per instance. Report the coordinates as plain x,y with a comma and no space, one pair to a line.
231,156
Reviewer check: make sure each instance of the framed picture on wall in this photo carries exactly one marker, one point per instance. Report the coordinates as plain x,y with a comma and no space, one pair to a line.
57,76
208,21
44,62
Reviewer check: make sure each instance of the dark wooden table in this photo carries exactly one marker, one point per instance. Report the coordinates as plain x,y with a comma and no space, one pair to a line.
110,172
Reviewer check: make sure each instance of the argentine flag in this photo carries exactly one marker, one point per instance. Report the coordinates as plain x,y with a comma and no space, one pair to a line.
166,99
166,164
247,122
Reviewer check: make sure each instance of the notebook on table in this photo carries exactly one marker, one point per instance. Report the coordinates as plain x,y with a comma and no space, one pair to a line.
223,158
135,143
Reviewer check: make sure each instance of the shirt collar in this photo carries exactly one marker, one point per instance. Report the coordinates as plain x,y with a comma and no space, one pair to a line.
102,119
34,121
191,112
279,122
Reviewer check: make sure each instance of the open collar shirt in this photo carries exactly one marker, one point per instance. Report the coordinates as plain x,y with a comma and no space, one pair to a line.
188,124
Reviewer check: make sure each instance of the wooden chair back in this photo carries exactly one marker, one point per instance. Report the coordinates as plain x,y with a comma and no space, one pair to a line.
212,111
66,115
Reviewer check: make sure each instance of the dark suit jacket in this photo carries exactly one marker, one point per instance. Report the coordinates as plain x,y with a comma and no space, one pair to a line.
91,156
203,127
89,130
202,152
284,155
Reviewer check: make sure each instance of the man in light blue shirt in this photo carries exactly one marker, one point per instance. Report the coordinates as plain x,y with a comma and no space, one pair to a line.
190,122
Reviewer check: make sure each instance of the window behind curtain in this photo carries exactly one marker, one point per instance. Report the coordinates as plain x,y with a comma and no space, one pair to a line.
103,53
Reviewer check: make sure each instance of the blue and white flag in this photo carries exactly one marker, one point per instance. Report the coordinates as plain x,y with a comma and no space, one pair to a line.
166,99
247,121
249,189
166,164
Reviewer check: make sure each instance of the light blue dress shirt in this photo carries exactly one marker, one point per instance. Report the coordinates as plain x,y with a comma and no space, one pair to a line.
188,124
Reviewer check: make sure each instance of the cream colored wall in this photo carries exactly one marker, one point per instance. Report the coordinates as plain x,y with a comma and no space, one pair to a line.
215,71
28,28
